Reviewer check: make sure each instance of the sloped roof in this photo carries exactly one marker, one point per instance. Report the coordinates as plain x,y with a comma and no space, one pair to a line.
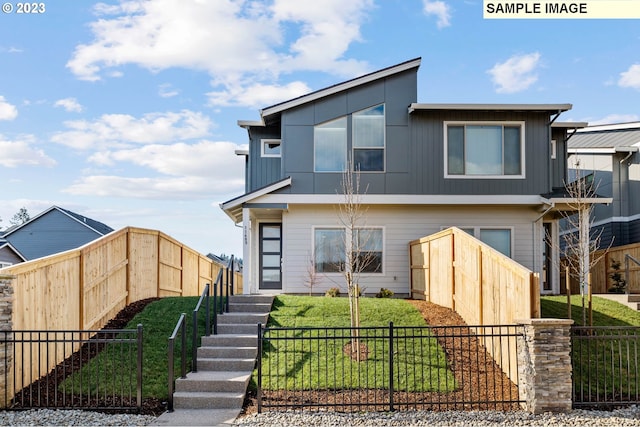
619,136
92,224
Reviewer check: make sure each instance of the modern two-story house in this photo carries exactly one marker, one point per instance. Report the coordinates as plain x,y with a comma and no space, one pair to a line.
492,170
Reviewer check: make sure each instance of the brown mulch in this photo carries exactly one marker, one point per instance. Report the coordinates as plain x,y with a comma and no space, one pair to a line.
42,393
479,378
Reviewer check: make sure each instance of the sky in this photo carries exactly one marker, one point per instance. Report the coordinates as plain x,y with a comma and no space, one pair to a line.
126,111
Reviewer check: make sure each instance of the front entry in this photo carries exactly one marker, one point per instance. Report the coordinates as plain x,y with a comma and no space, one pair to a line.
270,256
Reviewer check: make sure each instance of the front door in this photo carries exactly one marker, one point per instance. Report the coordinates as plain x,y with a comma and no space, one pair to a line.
270,256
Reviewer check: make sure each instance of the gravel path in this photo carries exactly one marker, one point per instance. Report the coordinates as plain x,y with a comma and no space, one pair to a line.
50,417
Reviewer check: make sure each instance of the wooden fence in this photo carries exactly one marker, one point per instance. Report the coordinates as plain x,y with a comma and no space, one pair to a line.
601,272
455,270
84,288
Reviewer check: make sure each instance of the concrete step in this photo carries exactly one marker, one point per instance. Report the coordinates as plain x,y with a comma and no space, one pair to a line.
251,299
244,318
228,352
213,381
241,307
232,340
207,400
238,328
226,364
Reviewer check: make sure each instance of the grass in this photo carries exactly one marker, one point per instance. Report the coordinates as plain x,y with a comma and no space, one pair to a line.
159,318
605,311
316,359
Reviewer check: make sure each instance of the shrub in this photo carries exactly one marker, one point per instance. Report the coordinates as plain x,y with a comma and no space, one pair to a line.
384,293
333,292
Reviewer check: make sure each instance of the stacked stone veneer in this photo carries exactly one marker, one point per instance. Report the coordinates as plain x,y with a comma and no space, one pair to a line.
6,350
544,365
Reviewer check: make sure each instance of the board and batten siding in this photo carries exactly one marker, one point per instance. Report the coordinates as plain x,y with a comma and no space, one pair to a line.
401,225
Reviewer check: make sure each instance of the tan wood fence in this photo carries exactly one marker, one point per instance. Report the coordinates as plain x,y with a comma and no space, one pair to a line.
455,270
84,288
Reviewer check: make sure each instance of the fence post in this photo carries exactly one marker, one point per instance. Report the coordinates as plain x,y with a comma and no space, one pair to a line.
139,368
259,386
391,366
6,346
544,365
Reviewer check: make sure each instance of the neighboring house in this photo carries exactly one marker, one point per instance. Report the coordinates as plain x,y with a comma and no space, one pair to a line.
8,254
485,168
52,231
608,155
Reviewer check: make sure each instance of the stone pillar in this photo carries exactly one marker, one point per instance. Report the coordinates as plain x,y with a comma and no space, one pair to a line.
6,350
544,365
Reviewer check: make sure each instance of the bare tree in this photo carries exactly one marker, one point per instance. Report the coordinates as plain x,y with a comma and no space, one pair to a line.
312,277
20,217
581,241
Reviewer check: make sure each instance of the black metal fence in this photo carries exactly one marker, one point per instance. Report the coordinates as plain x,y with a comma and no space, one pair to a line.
101,370
387,368
605,366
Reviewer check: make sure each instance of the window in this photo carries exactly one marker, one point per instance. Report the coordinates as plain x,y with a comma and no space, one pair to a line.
485,150
330,146
498,238
330,254
554,148
368,133
271,148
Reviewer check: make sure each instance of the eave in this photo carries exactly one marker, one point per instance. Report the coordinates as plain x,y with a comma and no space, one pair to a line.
233,208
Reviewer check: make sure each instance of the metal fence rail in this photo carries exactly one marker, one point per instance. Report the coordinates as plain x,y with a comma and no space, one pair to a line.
100,370
386,368
605,366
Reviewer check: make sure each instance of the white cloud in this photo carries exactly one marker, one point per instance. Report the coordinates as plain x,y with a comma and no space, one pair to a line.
7,111
69,104
165,90
631,77
515,74
258,95
234,41
21,153
440,9
122,130
615,118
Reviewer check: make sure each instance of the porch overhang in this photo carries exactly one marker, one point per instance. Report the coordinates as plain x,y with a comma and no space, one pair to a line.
233,208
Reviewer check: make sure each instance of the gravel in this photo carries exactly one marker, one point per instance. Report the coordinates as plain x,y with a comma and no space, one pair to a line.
50,417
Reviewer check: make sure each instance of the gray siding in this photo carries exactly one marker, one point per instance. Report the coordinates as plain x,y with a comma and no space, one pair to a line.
262,171
7,255
51,233
559,164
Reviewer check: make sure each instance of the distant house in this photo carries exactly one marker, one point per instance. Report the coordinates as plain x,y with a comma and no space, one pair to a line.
608,156
489,169
52,231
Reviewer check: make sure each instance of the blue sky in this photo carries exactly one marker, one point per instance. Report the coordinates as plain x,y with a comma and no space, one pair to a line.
126,111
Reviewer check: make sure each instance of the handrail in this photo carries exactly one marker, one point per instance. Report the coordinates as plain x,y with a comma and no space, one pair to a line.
225,281
207,331
180,327
628,257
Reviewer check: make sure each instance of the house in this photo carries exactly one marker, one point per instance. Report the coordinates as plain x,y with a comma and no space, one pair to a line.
608,156
492,170
51,231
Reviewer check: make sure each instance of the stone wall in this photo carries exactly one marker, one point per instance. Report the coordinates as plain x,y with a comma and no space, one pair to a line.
544,365
6,311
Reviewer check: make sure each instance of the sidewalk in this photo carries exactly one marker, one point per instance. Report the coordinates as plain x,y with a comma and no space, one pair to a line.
197,417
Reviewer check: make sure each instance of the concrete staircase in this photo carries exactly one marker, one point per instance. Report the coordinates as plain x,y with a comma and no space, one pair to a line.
225,360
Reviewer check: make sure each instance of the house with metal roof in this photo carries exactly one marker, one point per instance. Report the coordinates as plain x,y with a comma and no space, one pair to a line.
51,231
489,169
608,156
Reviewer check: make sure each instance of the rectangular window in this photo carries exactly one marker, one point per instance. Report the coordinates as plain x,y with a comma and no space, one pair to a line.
368,133
330,146
330,253
271,148
484,150
498,238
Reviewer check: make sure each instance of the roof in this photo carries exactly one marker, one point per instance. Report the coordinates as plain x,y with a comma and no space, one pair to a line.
622,137
94,225
273,110
553,108
233,207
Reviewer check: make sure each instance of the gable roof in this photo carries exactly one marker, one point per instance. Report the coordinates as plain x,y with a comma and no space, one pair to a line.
91,224
607,139
5,244
276,109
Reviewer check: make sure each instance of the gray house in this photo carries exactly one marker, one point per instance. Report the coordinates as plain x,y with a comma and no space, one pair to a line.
53,230
492,170
608,155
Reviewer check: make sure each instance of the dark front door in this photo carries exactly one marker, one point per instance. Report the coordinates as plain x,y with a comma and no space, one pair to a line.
270,256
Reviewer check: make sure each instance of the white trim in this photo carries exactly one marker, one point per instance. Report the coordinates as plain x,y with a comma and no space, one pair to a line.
492,107
616,126
347,240
410,199
265,141
607,150
521,124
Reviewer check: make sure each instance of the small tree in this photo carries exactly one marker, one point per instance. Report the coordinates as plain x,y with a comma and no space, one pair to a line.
312,277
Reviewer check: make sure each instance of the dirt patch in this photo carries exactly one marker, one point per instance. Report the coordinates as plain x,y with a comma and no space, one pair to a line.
479,378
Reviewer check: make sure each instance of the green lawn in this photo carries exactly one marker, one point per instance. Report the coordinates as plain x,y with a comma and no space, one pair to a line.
316,359
605,312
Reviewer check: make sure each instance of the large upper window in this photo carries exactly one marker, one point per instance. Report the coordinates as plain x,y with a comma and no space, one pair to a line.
369,139
330,250
484,150
367,144
330,146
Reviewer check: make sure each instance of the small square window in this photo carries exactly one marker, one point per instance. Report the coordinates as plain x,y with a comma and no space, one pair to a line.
271,148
